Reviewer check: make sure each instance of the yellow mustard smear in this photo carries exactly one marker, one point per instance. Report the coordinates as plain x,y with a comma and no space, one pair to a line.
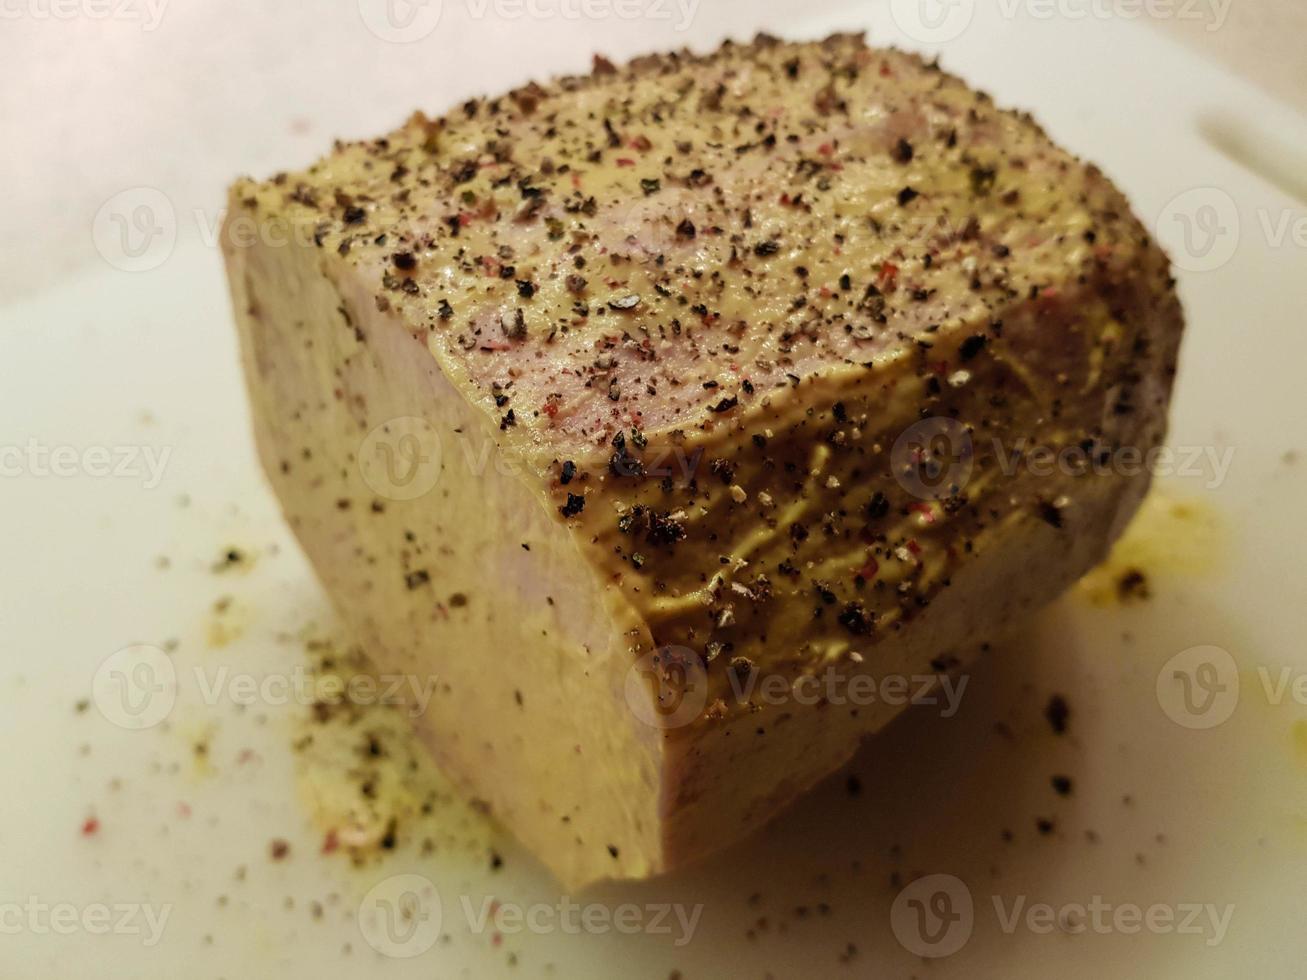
1171,535
226,622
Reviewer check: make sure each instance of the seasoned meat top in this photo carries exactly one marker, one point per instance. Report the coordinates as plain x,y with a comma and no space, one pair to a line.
786,336
658,246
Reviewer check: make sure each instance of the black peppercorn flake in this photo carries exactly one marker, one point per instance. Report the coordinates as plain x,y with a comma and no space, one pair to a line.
972,346
878,506
856,619
1058,712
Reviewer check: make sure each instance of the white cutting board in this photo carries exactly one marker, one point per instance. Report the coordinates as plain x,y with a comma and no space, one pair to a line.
100,357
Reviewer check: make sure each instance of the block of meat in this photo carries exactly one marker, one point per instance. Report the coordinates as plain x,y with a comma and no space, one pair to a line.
632,406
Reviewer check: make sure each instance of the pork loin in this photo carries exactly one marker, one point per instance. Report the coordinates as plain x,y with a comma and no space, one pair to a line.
613,399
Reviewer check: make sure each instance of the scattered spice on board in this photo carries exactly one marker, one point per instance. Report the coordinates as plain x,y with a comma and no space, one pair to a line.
1132,586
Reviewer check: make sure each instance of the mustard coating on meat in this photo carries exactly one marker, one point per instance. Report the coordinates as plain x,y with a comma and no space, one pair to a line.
703,297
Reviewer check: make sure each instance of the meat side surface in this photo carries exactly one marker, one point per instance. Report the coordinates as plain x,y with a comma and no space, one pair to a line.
633,406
